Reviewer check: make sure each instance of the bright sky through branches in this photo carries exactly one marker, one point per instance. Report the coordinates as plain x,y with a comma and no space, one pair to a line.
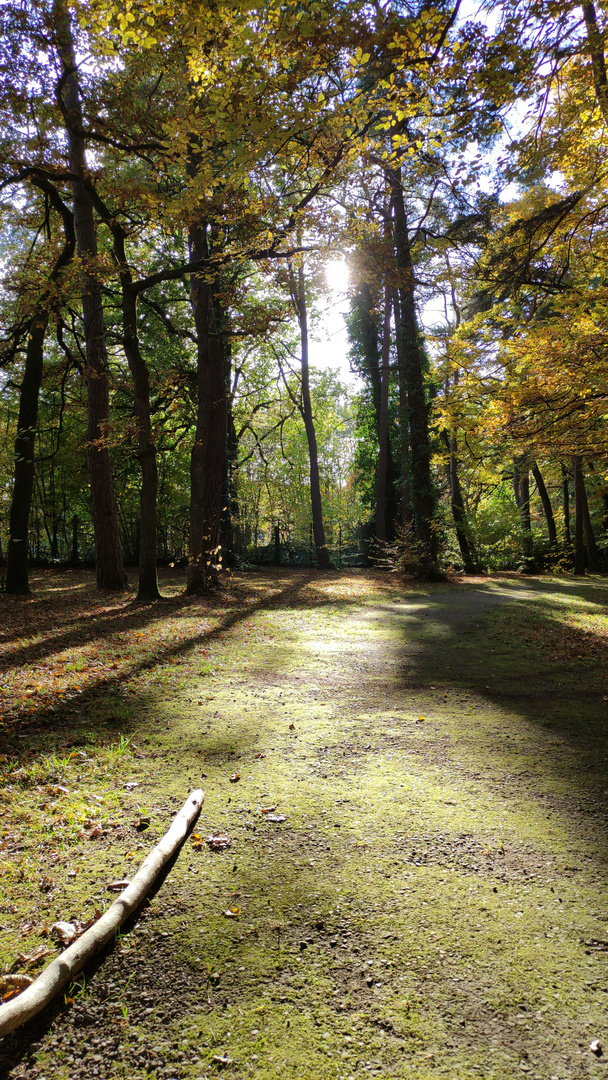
329,339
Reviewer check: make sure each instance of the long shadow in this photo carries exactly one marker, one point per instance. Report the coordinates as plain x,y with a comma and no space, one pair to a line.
162,655
512,652
90,626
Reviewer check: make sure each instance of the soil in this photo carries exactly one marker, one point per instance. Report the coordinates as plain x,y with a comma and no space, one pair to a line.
434,903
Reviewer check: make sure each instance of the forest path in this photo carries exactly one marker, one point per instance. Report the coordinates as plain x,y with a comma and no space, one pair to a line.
434,903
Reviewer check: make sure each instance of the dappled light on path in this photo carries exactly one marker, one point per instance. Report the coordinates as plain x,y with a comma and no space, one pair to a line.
412,781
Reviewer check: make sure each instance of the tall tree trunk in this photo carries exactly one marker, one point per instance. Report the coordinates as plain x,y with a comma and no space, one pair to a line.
365,333
521,488
298,293
16,572
383,446
546,501
457,503
146,447
229,511
579,498
406,514
595,49
74,556
208,458
593,559
566,502
411,366
110,569
17,582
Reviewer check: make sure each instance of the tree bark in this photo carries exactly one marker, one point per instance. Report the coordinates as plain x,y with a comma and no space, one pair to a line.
110,569
146,447
298,295
17,581
521,488
457,503
579,494
411,366
595,41
383,446
365,332
208,458
593,559
566,502
546,501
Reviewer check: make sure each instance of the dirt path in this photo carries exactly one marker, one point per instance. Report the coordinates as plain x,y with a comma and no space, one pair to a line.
434,903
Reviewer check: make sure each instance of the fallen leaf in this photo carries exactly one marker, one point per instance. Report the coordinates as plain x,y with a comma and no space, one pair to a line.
232,913
65,932
292,727
11,985
219,843
35,957
142,824
267,809
219,1060
118,886
259,755
235,777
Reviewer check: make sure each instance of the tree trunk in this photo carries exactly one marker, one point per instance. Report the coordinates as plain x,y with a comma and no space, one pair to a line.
593,559
406,515
146,447
566,500
74,556
521,488
411,365
579,493
110,569
457,503
383,447
17,582
16,572
298,292
365,332
208,458
546,501
230,508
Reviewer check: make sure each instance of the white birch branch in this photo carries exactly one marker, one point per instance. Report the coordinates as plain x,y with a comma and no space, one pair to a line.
61,970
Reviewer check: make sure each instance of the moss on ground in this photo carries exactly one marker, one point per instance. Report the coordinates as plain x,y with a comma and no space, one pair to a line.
433,904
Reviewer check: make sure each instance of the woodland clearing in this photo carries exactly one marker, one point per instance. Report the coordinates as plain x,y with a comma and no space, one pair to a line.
413,781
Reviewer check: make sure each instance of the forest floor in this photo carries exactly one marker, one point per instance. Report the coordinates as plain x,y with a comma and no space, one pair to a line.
435,901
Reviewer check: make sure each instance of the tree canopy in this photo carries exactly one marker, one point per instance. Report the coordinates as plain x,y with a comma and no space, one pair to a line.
174,179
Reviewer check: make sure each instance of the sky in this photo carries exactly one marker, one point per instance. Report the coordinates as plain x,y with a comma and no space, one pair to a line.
328,347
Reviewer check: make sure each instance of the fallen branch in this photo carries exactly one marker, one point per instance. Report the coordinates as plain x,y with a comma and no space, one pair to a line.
35,997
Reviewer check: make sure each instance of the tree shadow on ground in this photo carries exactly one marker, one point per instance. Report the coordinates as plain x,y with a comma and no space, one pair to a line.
529,688
40,720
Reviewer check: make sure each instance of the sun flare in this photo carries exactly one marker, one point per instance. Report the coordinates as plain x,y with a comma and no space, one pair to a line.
337,275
